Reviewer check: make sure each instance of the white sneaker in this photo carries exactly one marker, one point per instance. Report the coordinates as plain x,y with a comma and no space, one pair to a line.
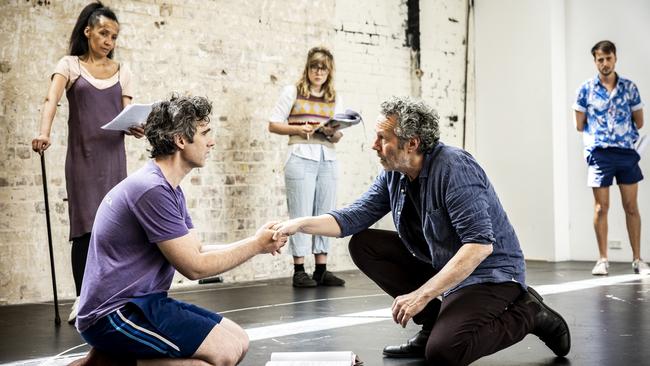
600,269
640,267
73,311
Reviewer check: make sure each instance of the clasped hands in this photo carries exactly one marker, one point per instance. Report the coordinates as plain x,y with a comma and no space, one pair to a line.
273,235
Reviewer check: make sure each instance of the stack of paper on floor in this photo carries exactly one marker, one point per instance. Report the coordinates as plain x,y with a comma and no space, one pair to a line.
132,116
345,358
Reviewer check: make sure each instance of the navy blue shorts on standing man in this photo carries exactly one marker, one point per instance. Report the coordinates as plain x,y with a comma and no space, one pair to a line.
605,164
152,326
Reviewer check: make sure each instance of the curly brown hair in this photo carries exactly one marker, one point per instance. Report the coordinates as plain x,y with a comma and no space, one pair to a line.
177,116
414,119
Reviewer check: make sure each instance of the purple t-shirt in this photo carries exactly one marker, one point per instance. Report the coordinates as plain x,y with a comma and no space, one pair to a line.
124,261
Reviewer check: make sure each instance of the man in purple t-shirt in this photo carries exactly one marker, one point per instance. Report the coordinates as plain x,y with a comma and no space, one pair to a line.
141,235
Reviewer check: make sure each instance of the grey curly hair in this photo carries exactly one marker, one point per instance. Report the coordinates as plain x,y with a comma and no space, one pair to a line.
414,119
177,116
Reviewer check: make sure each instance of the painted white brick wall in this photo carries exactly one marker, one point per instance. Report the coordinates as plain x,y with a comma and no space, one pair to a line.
239,54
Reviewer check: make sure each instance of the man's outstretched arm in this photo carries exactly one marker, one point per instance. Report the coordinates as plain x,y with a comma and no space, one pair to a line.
324,225
185,253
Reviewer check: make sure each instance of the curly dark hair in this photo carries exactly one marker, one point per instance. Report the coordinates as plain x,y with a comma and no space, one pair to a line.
177,116
414,119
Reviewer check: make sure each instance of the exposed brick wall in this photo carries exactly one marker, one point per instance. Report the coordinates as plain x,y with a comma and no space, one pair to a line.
237,53
443,27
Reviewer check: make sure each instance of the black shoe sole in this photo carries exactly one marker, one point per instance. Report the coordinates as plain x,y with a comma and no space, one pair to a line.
403,355
325,283
332,285
393,355
541,300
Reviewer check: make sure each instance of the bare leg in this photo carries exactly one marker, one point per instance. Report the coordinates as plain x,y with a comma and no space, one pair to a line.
601,206
320,258
298,260
225,345
632,216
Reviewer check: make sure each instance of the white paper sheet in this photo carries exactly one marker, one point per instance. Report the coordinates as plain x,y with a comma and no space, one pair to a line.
344,120
343,358
307,363
132,116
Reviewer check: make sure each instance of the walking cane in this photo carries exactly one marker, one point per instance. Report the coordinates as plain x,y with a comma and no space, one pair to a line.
57,318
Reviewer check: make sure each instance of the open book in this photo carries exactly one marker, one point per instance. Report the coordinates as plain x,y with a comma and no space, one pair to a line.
344,120
345,358
132,116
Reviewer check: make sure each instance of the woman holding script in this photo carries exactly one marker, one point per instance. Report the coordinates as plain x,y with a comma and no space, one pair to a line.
311,170
97,88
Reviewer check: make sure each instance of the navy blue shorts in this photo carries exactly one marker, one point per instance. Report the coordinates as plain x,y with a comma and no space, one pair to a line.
605,164
154,326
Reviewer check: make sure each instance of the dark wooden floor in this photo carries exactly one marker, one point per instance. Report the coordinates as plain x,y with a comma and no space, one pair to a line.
610,323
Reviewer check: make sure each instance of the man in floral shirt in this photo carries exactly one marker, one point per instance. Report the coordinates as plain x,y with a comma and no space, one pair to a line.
609,114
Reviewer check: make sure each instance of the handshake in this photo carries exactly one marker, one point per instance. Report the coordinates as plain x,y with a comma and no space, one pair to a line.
272,236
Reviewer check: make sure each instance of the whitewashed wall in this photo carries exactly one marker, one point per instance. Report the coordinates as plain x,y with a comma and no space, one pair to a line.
531,56
239,54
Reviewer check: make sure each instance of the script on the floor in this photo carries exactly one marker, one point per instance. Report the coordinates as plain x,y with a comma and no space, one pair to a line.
131,116
344,358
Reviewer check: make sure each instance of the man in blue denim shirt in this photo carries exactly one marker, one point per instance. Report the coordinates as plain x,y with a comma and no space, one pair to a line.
455,261
609,113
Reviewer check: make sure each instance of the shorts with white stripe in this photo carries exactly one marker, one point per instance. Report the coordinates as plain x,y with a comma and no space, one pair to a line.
153,326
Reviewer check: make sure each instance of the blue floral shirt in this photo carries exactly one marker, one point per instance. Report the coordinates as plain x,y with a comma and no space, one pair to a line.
609,115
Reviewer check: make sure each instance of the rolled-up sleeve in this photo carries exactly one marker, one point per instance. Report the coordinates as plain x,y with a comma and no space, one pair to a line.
635,98
580,103
467,199
366,210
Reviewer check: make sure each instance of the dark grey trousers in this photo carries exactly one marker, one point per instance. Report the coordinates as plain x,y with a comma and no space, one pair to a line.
470,323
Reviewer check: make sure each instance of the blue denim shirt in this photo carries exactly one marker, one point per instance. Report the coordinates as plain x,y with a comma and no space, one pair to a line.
459,206
609,115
